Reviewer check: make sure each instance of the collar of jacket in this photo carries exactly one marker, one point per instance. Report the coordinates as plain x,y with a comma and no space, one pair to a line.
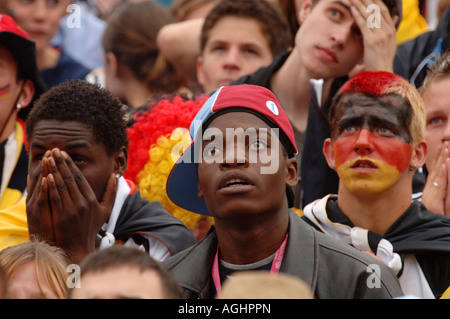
192,267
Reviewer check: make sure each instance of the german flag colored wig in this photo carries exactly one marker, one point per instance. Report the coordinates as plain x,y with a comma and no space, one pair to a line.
156,140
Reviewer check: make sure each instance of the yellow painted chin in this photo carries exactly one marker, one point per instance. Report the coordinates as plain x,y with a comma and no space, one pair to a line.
376,181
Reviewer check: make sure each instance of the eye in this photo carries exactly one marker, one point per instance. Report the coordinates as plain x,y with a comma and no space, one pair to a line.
383,131
258,145
211,151
78,159
335,14
349,129
435,121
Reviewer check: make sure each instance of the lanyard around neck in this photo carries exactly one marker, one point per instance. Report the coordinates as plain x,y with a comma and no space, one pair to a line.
276,265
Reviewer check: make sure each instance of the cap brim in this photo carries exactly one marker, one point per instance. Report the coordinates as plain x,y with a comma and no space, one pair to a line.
182,184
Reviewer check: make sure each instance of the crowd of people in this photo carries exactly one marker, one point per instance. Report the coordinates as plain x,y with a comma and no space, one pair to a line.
200,149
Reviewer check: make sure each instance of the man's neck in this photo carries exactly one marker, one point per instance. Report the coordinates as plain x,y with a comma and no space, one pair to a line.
376,213
291,85
251,243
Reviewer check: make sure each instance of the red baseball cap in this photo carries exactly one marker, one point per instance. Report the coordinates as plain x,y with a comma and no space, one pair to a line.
182,183
7,24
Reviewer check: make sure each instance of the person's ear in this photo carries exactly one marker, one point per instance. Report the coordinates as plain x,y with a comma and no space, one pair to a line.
292,172
121,161
200,71
328,152
419,155
27,94
305,9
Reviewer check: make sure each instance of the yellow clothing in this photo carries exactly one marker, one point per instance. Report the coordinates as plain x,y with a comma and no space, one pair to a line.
13,225
413,23
11,194
446,294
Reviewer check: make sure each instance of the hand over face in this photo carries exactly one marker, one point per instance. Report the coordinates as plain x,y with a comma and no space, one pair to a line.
63,207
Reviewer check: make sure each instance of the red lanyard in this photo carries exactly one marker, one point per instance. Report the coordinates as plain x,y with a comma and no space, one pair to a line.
276,265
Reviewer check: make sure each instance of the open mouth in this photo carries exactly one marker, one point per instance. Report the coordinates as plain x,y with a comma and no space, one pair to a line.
363,164
235,182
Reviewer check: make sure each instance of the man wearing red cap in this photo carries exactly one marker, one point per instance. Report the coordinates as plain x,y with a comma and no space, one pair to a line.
20,85
223,174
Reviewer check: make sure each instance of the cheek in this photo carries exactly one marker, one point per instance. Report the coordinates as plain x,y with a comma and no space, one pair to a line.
396,153
4,93
392,151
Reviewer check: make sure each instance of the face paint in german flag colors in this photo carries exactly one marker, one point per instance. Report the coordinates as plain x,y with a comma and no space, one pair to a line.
4,92
370,147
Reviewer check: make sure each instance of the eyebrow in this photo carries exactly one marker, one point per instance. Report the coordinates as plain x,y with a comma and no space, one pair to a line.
343,5
68,147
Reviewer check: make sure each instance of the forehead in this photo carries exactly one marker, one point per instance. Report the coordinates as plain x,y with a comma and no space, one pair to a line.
49,134
226,27
6,57
389,105
345,4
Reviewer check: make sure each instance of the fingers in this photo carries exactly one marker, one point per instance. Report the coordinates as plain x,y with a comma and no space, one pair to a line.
109,195
39,173
378,32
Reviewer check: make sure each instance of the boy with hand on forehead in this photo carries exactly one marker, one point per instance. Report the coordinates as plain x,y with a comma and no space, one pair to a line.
254,226
377,142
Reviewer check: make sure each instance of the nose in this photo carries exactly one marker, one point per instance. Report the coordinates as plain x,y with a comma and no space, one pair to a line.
232,59
235,156
39,10
446,135
340,34
363,144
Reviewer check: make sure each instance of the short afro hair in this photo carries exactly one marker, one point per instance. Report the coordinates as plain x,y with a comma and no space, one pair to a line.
88,104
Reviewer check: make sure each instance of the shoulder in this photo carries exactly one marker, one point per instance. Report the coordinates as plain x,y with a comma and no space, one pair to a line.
151,219
338,270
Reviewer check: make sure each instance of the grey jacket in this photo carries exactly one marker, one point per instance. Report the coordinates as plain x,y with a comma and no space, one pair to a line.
332,268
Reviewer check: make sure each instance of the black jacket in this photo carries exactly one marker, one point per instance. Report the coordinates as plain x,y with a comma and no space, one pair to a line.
139,218
413,57
417,231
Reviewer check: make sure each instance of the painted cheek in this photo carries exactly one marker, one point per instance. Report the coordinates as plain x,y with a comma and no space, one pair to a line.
4,92
393,151
343,150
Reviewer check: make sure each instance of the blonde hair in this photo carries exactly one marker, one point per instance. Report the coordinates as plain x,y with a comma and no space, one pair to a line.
439,70
50,261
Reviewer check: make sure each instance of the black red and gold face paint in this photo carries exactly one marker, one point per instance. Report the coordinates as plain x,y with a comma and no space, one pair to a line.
371,141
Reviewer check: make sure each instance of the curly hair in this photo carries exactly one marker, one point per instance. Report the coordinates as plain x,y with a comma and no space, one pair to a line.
88,104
